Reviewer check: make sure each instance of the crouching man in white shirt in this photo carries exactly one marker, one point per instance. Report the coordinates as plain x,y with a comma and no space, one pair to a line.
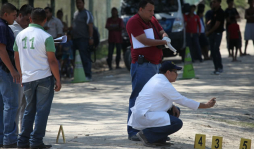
154,113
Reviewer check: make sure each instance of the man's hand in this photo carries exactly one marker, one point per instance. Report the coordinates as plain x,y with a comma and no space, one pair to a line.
90,42
58,86
175,111
211,103
15,75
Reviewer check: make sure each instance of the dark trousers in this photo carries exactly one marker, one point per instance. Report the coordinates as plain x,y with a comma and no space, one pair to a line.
83,46
215,40
160,134
193,43
111,47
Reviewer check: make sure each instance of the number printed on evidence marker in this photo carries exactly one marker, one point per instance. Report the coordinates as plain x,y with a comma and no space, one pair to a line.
217,142
200,141
245,144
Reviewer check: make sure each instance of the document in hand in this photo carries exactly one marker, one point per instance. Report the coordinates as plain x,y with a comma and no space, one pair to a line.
136,44
61,39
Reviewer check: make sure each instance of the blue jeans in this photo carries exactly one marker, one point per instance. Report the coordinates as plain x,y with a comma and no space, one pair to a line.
215,40
39,95
111,47
160,134
8,108
141,74
82,44
193,43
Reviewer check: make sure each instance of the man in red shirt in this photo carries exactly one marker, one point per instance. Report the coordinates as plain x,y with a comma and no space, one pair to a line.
233,34
145,61
193,29
114,25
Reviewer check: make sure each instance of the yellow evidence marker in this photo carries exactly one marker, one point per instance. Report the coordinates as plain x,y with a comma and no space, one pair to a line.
60,130
200,141
245,144
217,142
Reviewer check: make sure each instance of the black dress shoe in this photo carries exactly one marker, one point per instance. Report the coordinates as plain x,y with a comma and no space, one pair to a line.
26,146
134,138
41,146
14,145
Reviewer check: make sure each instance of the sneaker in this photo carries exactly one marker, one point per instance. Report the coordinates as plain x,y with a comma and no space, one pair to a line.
118,67
142,138
88,79
134,138
215,73
220,70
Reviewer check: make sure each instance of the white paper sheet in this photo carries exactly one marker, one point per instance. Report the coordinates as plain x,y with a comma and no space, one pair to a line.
63,39
136,44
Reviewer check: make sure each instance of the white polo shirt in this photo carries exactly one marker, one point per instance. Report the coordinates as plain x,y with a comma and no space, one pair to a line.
16,28
33,43
153,102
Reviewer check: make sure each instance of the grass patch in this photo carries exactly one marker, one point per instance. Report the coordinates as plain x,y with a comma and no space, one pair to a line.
239,4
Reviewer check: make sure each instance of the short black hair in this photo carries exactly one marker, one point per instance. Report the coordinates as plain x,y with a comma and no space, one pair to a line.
49,8
218,1
25,10
7,8
38,15
114,8
193,6
143,3
229,1
59,11
82,1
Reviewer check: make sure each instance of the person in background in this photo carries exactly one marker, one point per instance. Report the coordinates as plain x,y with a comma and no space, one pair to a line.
67,55
59,15
249,28
193,28
233,37
202,37
8,77
53,25
82,36
209,14
215,35
115,26
229,12
35,60
21,22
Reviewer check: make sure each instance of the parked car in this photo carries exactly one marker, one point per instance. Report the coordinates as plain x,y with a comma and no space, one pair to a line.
169,13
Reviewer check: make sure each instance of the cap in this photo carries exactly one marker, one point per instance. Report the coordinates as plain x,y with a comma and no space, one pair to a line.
168,65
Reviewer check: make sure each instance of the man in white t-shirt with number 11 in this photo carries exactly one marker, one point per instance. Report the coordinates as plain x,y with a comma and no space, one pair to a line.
35,60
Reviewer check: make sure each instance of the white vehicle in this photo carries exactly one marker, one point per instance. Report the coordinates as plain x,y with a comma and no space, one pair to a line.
170,16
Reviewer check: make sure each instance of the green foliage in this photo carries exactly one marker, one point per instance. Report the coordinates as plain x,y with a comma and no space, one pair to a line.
242,4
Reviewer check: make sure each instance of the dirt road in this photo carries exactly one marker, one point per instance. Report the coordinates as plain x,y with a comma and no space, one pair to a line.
94,114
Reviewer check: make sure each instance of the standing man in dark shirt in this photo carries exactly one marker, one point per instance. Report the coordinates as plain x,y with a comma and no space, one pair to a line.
8,76
215,35
145,61
82,35
230,12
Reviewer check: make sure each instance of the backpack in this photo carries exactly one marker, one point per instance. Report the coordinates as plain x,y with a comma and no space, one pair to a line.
96,37
96,34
